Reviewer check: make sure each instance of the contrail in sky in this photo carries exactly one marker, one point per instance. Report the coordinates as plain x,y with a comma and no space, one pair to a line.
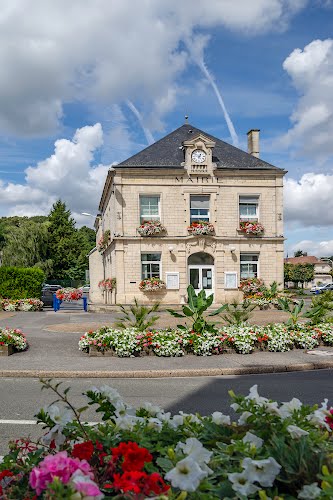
196,49
136,112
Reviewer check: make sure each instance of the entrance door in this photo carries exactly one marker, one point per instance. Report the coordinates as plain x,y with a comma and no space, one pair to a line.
201,277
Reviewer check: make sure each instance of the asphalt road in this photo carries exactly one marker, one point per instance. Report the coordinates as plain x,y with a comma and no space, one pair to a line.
21,398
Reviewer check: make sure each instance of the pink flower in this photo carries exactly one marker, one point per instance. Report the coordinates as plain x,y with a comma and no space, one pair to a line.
59,465
84,485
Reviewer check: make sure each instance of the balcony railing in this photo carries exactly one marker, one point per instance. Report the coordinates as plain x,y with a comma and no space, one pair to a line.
199,169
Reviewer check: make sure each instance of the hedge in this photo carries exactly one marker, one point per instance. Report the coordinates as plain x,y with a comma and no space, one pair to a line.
21,282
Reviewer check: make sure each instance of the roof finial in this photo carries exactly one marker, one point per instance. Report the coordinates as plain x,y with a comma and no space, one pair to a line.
186,119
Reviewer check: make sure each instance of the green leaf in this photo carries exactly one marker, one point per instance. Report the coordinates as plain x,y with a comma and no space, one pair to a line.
187,311
219,310
175,313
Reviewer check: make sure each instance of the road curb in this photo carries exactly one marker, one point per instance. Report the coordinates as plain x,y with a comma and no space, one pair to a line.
205,372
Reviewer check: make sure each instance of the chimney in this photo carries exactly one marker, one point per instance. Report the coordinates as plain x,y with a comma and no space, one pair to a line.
253,142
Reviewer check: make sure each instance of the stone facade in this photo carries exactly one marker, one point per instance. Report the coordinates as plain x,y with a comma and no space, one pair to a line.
217,256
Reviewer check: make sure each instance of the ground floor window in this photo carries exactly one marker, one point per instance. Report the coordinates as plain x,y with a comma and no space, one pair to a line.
150,265
249,265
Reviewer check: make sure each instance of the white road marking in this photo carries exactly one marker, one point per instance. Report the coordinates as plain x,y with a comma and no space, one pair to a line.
34,422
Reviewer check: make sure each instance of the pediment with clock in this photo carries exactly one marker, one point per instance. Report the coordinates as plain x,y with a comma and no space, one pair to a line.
199,155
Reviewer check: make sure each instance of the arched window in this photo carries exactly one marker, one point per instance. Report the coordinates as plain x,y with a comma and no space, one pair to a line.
200,259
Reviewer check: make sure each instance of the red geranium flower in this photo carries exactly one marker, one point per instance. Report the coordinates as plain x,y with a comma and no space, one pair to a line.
140,482
83,451
134,456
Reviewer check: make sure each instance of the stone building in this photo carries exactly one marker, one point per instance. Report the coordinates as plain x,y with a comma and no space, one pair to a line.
186,177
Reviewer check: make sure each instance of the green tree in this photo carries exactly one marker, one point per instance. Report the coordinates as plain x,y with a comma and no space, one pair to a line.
300,253
298,273
86,240
26,244
64,246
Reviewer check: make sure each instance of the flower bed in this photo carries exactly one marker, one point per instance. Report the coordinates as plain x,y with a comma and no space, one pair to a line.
21,305
107,284
69,294
243,339
13,337
151,228
251,286
251,228
201,228
148,453
151,285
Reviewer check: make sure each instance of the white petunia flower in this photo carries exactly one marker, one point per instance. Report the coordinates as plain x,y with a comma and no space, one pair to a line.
262,471
318,416
220,419
187,475
254,396
155,423
296,432
60,415
287,409
309,492
153,410
109,393
253,439
176,421
195,450
241,484
234,406
244,416
164,417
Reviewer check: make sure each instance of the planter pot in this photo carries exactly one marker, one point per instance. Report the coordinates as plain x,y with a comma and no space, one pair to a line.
6,350
93,351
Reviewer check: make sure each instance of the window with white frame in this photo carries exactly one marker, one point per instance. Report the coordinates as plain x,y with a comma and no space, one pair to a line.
149,208
248,207
199,207
150,265
249,265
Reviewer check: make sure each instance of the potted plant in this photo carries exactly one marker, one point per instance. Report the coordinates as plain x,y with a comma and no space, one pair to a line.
69,294
201,227
151,228
151,284
107,284
251,228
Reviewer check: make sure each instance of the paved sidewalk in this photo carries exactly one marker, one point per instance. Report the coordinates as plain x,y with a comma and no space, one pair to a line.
55,353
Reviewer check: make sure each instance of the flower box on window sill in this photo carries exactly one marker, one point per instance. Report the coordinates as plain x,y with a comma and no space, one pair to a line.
107,284
152,285
200,228
251,228
104,241
151,228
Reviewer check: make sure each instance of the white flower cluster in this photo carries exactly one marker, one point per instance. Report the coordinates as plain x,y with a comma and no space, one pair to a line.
243,338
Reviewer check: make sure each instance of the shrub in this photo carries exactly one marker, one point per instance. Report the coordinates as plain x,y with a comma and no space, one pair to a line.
21,282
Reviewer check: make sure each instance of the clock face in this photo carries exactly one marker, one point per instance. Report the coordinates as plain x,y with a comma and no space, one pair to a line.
198,156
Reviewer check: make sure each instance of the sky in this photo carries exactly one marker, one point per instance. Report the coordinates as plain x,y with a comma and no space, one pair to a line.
84,85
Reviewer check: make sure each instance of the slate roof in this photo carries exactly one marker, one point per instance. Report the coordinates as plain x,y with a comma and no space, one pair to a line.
167,153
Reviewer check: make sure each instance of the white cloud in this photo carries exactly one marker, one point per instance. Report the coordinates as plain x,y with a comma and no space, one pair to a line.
311,71
69,174
309,201
107,51
319,249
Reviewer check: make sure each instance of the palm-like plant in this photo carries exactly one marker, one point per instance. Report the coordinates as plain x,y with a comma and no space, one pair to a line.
237,313
137,316
321,308
294,311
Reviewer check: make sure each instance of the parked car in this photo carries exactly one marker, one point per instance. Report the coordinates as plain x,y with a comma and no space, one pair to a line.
322,288
85,288
47,293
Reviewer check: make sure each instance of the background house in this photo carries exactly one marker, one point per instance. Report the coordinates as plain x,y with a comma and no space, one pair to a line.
186,177
322,269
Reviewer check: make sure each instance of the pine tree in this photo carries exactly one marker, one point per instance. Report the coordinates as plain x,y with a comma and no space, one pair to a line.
64,246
